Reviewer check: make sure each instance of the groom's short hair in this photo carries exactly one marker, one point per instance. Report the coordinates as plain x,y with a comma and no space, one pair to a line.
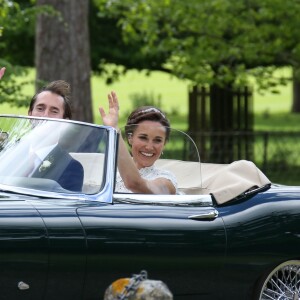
61,88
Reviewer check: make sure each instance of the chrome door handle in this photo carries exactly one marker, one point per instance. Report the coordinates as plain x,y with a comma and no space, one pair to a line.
210,215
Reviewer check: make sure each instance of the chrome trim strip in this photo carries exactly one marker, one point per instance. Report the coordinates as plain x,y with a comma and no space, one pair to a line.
57,120
174,200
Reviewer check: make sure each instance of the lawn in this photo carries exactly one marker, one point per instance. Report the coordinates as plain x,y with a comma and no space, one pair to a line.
271,110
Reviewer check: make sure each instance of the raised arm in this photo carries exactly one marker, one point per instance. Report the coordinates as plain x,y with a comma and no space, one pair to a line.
126,165
2,71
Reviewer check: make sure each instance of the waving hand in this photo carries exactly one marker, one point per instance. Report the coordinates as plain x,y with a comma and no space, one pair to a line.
112,117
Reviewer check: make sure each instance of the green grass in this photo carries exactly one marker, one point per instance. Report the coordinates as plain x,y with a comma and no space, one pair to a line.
279,102
278,121
272,111
172,91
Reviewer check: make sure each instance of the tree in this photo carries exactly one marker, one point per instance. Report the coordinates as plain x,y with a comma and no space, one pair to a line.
106,49
63,51
213,41
207,41
109,49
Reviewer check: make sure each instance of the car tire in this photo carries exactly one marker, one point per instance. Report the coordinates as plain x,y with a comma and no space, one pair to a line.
282,283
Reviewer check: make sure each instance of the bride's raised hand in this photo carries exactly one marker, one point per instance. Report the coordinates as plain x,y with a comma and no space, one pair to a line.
112,117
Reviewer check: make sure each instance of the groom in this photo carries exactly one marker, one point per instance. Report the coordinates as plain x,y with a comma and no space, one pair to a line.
53,101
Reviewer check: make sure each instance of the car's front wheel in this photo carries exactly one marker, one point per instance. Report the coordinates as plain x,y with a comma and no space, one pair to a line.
283,283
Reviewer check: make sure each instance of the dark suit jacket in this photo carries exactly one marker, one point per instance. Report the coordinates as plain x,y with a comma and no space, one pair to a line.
59,165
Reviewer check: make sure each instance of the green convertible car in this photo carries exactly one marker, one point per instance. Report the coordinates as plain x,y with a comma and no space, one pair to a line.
66,234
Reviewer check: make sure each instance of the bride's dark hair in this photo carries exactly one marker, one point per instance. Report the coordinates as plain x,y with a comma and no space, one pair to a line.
146,113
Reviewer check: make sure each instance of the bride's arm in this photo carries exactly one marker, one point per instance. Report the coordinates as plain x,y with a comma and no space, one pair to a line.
2,71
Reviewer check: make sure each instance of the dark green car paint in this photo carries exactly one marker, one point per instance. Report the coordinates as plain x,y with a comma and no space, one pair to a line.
125,239
23,252
74,250
67,249
55,244
262,232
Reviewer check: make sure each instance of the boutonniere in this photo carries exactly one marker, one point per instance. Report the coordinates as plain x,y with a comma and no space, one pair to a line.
46,164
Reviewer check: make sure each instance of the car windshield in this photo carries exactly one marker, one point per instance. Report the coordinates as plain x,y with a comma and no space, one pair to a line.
50,155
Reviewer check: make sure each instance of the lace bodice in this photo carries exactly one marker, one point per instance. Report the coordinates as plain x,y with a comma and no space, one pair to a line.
149,173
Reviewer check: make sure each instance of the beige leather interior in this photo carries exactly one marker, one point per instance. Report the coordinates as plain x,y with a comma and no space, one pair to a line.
223,181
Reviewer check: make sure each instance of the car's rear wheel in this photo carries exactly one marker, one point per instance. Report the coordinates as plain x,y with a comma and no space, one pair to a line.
283,283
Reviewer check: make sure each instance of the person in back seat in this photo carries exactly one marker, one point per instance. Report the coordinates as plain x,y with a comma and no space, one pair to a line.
147,132
53,101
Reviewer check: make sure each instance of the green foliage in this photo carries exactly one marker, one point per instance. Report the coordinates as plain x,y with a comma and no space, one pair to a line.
145,99
213,41
17,42
11,87
207,41
107,45
17,47
12,19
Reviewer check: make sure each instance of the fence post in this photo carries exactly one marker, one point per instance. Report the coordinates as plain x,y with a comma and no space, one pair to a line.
226,112
265,151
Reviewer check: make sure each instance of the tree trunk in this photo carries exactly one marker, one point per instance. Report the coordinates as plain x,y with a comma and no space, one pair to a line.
62,51
296,92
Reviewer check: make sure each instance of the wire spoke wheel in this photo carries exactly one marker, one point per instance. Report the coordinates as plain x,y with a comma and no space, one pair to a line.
283,283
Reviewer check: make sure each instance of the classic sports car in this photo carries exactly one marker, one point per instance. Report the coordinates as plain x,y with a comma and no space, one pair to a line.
228,233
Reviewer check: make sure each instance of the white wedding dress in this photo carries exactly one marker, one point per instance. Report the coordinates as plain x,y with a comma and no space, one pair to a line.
149,173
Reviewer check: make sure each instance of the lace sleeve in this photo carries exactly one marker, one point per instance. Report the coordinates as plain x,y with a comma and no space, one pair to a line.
159,173
149,173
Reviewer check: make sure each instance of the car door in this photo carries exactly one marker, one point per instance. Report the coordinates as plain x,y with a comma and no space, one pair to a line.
67,248
23,250
169,242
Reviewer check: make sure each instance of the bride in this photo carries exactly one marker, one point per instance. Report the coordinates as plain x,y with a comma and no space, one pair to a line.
147,132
